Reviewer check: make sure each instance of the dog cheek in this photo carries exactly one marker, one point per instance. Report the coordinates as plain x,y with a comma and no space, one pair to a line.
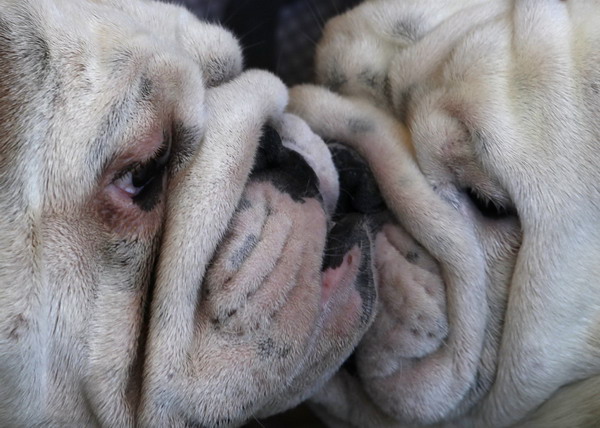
412,320
348,318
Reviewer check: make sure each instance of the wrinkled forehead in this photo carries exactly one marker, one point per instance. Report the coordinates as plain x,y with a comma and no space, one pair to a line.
90,82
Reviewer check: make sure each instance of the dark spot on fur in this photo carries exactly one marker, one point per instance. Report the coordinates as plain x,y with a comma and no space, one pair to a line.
412,257
365,282
266,348
225,422
359,126
335,79
480,140
284,168
402,103
595,87
371,79
219,70
284,352
145,88
244,205
19,325
415,332
407,30
185,143
194,424
481,382
119,60
387,89
241,254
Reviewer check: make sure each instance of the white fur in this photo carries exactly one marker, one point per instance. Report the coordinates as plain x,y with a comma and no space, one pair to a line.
105,315
503,97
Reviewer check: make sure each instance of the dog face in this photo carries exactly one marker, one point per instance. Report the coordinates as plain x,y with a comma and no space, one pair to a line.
163,226
482,145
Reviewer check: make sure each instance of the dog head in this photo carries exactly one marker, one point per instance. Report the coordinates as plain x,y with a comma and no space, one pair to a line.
163,225
478,122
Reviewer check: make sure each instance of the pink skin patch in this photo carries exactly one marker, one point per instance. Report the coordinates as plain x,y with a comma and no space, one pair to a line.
343,274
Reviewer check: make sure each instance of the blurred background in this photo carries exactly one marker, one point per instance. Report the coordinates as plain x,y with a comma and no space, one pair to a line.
279,36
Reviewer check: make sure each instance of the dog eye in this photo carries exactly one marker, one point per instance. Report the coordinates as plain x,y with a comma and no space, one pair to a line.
488,207
139,177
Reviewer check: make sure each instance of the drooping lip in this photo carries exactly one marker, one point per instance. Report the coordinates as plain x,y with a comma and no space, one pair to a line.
348,260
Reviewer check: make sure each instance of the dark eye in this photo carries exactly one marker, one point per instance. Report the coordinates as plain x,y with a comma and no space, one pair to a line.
138,178
488,207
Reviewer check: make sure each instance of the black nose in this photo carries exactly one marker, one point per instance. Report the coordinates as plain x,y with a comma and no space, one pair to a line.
284,168
359,192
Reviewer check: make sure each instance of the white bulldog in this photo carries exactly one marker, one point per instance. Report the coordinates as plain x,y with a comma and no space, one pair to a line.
479,120
163,226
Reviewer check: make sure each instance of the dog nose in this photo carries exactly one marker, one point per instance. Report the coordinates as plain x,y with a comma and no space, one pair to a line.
359,192
286,169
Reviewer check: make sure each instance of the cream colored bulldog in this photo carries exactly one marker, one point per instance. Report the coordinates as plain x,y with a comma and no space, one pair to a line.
163,226
480,122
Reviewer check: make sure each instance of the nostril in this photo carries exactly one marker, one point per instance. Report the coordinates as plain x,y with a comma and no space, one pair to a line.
346,232
269,150
358,189
284,168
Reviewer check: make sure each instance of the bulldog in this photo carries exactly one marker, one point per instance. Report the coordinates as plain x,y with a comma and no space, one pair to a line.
164,251
479,121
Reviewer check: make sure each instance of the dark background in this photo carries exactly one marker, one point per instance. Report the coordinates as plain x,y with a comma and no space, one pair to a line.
277,35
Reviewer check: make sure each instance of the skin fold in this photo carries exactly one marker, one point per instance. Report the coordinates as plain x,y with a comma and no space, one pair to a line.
411,243
164,226
478,121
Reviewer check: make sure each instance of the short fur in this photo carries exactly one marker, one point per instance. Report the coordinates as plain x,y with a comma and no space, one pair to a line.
462,104
130,296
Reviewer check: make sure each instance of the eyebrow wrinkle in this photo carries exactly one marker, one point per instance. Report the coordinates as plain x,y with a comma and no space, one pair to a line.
103,148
